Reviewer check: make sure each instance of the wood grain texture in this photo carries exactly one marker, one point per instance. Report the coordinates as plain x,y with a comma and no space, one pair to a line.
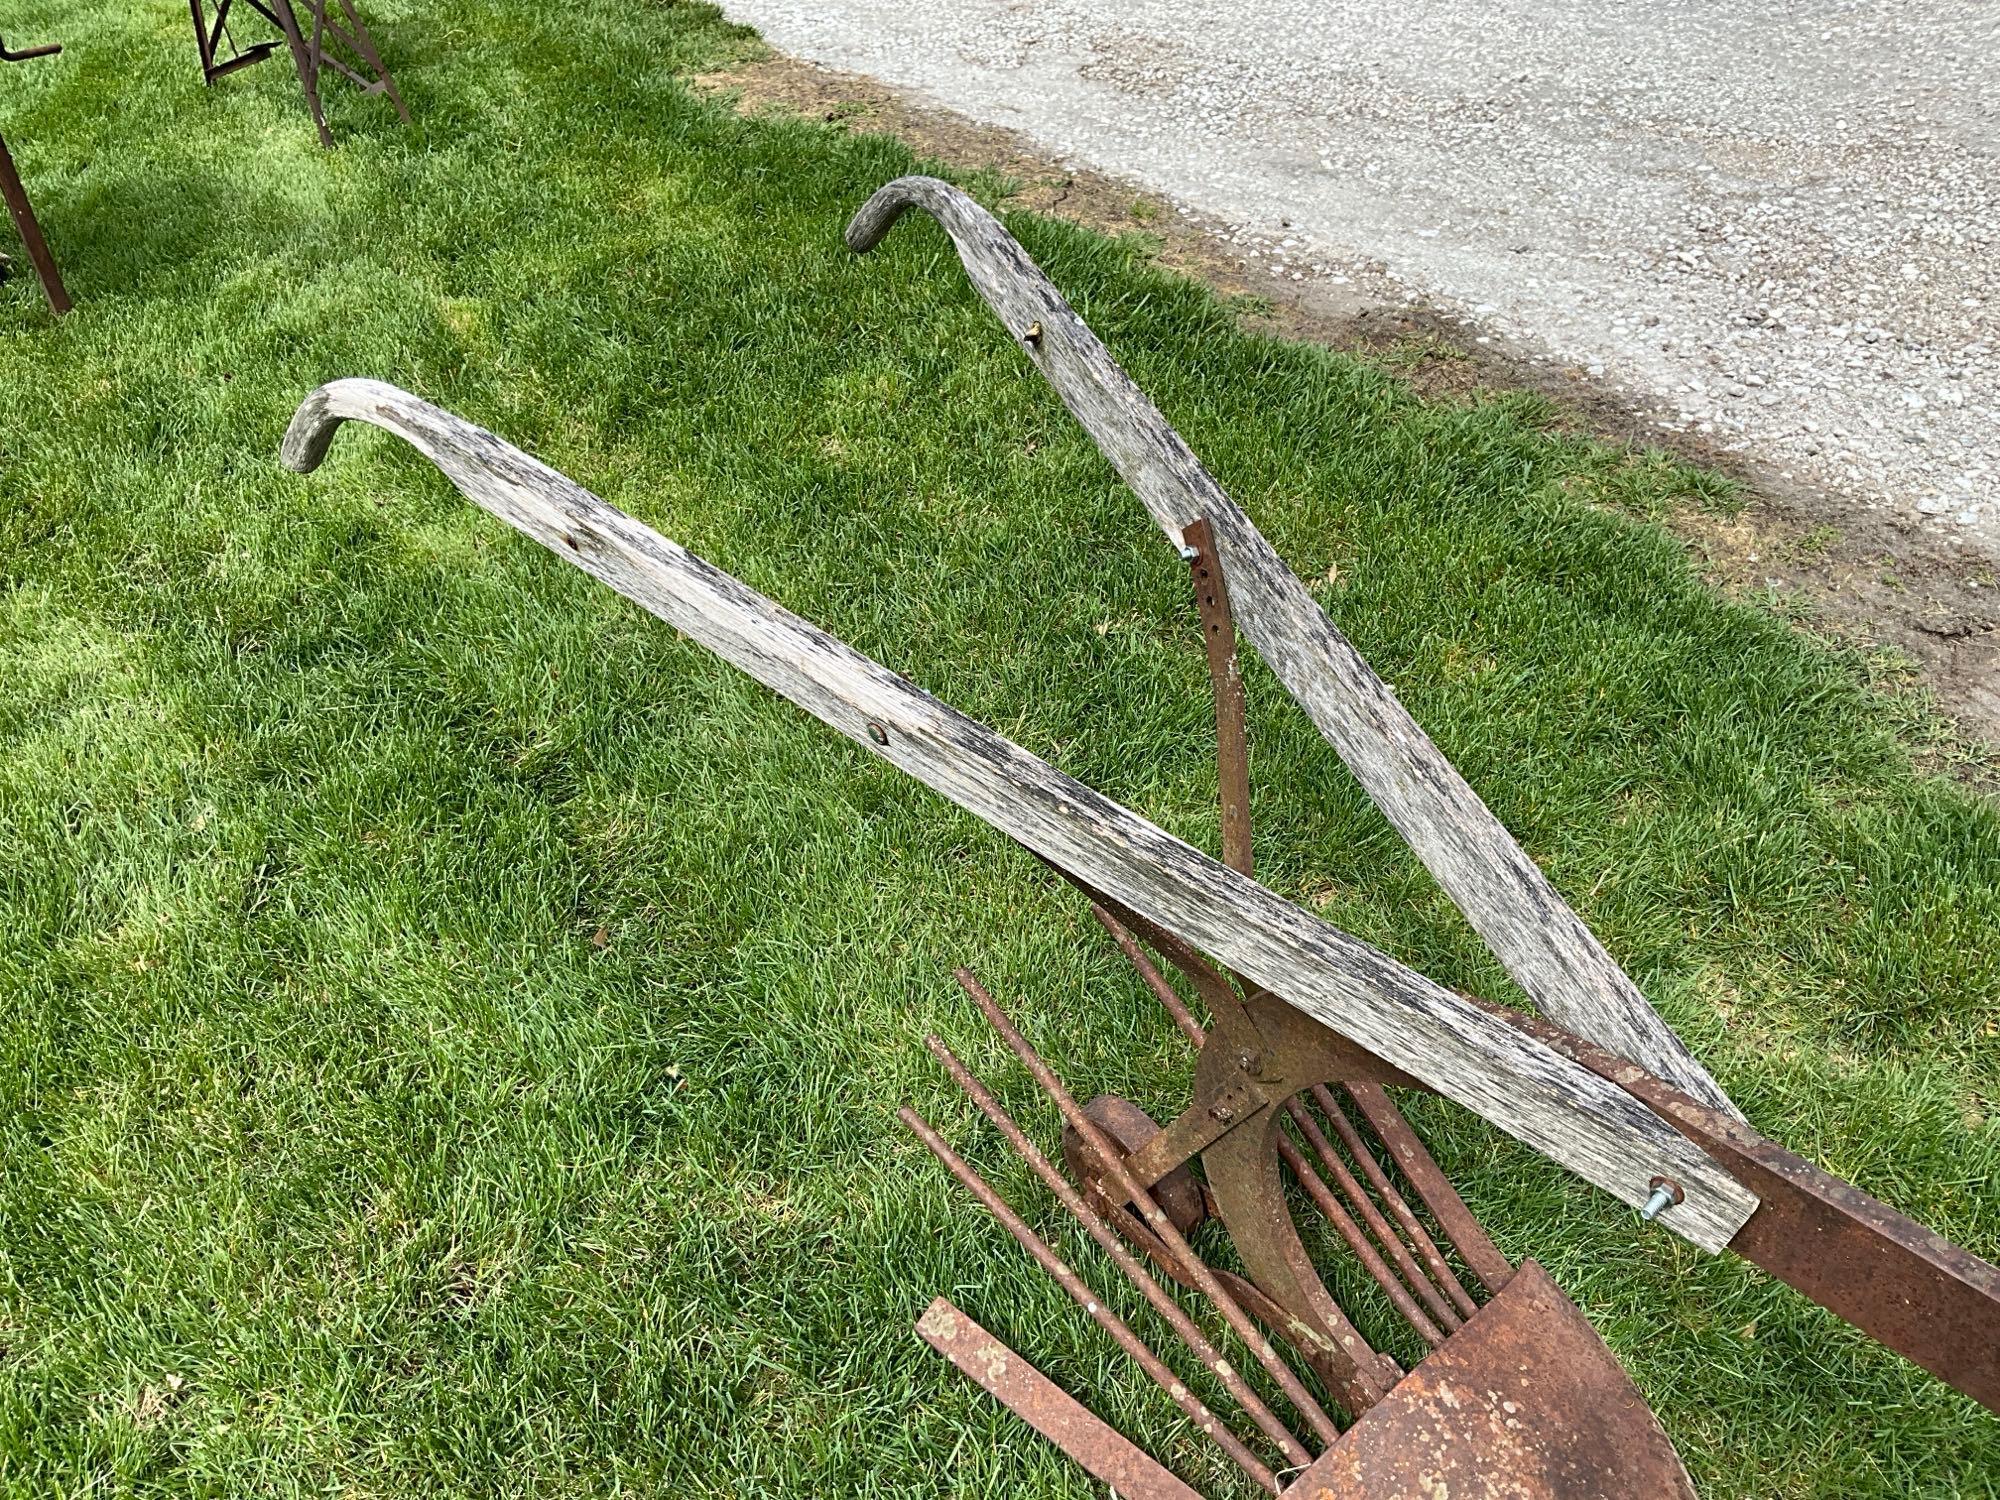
1544,945
1513,1080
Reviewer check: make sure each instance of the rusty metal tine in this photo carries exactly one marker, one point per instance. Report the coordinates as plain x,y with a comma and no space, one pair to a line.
1413,1227
1384,1234
1467,1235
1079,1291
1259,1306
1047,1407
1350,1233
1155,981
1162,1302
1225,1007
1358,1390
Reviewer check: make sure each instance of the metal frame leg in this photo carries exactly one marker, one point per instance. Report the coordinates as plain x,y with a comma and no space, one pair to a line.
30,229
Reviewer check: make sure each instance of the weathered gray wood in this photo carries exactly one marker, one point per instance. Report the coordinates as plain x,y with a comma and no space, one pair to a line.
1516,1081
1545,946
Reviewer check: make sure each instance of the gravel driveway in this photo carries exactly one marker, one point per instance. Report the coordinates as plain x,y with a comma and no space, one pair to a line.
1775,226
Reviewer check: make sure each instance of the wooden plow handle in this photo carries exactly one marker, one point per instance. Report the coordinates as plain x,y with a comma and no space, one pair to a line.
1544,945
1512,1079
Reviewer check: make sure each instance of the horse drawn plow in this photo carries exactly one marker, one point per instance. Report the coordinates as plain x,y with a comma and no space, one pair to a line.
1298,1031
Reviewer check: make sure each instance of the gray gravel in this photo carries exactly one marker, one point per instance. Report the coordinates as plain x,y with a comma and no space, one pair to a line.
1777,226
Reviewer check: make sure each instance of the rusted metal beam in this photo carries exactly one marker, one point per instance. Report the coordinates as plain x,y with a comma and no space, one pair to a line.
1906,1286
1047,1407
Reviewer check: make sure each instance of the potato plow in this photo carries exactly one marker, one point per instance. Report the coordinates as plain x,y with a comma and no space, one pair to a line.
1298,1030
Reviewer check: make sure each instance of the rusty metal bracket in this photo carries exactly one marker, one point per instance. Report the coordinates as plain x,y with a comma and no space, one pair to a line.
1235,1102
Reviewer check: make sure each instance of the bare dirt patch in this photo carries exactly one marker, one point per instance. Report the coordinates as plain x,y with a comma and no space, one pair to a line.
1859,575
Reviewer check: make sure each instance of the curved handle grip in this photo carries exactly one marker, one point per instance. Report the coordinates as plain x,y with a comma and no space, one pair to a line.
46,51
1544,945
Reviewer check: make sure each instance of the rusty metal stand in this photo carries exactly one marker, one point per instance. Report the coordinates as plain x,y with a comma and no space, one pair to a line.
356,58
22,211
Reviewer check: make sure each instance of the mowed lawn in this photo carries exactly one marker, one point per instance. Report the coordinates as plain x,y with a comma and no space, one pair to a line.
452,1027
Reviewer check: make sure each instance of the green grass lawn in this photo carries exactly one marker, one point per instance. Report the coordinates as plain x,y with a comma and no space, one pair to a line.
452,1028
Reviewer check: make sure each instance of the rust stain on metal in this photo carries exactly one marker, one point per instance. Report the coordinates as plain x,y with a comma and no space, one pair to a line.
1522,1403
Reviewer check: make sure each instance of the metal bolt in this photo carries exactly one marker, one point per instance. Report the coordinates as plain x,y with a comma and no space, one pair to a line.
1666,1193
1189,554
1222,1114
877,733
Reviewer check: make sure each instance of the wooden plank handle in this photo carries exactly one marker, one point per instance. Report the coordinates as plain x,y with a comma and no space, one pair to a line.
1544,945
1513,1080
